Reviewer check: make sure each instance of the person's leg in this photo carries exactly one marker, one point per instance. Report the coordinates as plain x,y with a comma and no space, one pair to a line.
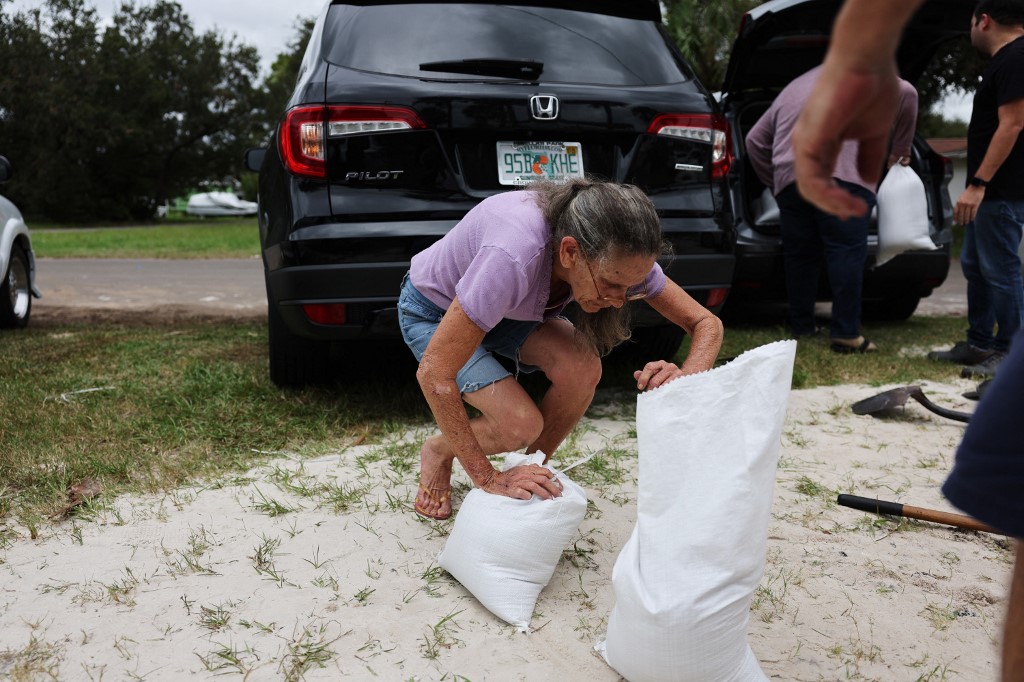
801,256
1013,630
980,317
509,421
997,236
846,248
574,373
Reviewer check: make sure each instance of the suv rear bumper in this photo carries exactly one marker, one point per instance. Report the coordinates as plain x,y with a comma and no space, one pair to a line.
760,274
369,292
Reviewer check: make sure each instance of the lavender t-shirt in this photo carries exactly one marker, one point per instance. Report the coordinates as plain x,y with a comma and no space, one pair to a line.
497,260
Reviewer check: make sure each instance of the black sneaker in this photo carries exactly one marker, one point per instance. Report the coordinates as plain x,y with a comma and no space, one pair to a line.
985,368
962,353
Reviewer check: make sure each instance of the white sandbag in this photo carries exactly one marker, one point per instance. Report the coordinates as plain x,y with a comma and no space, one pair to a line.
902,214
504,551
683,583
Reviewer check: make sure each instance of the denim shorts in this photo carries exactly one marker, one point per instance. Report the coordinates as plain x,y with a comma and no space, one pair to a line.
418,318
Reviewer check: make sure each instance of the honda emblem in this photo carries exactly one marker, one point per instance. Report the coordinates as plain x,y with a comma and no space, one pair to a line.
544,107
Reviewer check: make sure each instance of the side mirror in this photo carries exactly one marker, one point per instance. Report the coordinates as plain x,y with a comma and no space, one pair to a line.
254,158
6,169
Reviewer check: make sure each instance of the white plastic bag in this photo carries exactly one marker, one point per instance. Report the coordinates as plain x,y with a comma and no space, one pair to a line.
504,551
683,582
902,214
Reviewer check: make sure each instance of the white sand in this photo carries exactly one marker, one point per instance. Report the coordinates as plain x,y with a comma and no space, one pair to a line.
207,581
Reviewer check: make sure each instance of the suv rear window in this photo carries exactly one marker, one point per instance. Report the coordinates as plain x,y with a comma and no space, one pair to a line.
574,47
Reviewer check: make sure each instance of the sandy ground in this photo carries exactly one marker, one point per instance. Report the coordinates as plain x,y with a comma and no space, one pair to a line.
318,569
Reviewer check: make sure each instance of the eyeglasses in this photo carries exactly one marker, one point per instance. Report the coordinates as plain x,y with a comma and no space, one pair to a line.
634,293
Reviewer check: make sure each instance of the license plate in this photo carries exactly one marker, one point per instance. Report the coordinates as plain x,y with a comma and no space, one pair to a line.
520,163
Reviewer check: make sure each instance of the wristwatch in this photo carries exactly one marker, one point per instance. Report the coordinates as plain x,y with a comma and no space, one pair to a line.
977,182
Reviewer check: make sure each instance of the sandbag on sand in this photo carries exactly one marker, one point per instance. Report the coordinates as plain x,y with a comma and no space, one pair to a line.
504,551
708,446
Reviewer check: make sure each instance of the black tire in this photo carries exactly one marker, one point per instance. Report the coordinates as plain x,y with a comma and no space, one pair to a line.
16,291
295,361
660,342
894,309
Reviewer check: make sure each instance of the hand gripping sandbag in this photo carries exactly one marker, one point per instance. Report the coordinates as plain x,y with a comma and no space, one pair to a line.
683,582
902,214
504,551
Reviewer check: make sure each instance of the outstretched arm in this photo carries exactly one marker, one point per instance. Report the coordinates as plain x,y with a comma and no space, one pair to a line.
856,98
704,328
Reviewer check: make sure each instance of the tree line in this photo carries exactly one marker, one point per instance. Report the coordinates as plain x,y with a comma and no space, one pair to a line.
107,122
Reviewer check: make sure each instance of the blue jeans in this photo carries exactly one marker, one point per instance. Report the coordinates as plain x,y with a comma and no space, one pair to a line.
419,317
808,236
991,265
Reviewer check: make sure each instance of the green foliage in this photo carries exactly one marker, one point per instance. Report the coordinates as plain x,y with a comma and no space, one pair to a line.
285,69
956,67
931,124
704,31
106,122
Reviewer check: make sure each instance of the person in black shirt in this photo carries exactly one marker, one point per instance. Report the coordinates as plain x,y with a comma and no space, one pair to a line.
992,206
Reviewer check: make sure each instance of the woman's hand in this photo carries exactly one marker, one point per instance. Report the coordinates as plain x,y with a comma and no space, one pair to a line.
523,482
655,374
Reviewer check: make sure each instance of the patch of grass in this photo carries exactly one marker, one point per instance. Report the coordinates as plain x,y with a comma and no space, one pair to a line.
808,486
307,650
188,401
209,238
940,616
900,359
36,660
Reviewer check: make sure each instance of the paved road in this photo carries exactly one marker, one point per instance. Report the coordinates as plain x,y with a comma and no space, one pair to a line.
950,298
231,287
235,287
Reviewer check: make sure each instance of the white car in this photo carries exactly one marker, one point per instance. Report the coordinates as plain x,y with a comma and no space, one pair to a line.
17,262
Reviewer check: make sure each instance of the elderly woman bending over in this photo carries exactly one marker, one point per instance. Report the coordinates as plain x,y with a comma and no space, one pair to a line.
497,284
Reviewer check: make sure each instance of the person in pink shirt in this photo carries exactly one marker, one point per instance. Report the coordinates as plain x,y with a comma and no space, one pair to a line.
810,235
497,284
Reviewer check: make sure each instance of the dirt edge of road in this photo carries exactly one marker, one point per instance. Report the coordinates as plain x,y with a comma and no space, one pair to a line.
161,316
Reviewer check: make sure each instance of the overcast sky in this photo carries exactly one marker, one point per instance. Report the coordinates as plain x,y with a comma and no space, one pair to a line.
269,25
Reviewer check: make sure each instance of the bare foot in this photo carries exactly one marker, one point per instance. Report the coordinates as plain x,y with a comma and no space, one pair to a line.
434,499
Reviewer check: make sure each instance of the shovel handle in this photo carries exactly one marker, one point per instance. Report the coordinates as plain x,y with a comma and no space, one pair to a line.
866,504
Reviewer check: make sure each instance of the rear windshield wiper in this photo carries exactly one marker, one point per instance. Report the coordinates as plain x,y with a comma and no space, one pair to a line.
528,69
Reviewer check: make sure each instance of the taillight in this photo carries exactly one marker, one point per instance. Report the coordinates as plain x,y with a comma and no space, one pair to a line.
326,313
716,297
304,142
947,168
709,128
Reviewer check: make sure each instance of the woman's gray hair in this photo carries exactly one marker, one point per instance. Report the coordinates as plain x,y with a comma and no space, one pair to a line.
607,220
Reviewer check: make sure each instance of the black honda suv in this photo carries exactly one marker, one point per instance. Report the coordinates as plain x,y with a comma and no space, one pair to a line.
406,115
778,41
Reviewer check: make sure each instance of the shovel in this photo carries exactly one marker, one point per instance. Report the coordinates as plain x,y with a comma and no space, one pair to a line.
880,507
897,397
